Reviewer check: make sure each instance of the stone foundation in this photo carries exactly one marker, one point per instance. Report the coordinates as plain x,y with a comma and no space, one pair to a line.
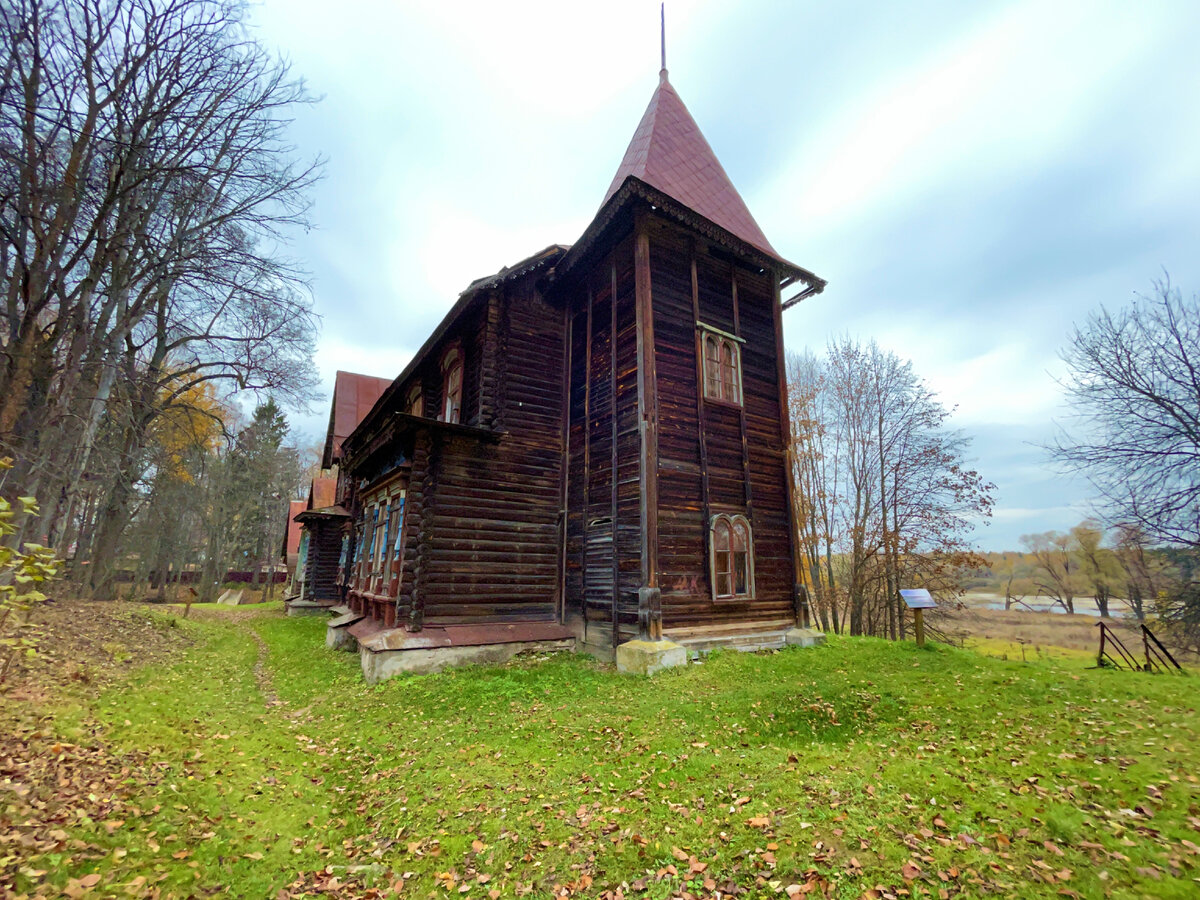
308,608
647,657
338,635
803,637
379,665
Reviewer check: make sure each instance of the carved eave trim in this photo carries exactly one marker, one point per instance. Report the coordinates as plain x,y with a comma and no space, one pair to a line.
636,189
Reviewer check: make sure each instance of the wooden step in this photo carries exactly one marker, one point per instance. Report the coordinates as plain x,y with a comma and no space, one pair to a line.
745,641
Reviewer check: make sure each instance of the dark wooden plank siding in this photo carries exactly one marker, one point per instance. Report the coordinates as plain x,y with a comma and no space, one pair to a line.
772,553
604,476
629,528
724,458
681,539
599,510
577,464
321,565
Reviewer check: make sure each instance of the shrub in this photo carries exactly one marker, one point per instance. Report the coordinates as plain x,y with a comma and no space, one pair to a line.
22,570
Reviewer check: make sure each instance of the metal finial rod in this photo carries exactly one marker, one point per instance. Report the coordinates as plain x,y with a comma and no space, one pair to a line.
662,14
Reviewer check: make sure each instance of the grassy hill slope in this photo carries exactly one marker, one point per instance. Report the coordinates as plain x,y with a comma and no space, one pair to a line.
254,763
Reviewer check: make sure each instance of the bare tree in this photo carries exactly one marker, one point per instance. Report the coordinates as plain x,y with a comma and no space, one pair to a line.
884,498
1145,574
1097,563
1134,385
146,192
1056,568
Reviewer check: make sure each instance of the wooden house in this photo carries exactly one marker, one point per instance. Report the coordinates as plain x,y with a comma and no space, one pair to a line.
589,450
327,524
293,540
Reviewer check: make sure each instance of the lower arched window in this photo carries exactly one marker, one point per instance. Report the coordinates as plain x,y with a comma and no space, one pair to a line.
732,551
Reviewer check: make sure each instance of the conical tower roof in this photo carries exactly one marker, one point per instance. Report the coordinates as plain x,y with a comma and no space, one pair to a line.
669,153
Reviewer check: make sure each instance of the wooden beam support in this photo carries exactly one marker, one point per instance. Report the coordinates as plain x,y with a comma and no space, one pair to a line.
748,494
489,377
785,422
565,438
647,402
701,424
416,611
613,461
649,595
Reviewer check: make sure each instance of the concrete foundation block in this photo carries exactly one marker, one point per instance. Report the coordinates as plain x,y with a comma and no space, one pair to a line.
308,608
231,598
803,637
647,657
379,665
340,639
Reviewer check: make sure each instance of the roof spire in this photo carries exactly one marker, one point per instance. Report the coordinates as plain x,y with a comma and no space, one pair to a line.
662,15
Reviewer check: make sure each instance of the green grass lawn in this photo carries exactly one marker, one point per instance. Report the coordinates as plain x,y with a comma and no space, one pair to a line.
861,768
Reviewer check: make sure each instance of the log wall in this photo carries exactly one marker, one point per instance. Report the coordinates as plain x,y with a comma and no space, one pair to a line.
493,553
321,565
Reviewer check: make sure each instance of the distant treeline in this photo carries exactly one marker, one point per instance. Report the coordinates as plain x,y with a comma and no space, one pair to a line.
1115,568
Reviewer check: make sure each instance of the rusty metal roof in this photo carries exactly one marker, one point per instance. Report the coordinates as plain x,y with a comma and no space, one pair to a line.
669,153
323,493
291,540
353,397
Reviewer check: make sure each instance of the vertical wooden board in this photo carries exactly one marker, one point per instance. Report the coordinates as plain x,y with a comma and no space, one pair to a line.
598,526
628,537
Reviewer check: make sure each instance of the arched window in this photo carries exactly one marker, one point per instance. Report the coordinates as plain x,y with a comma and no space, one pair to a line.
452,383
730,389
414,404
732,557
712,366
722,368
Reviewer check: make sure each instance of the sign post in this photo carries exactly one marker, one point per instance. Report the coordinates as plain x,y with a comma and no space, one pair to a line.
918,600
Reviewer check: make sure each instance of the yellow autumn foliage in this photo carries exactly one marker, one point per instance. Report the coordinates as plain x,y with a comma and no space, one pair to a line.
194,420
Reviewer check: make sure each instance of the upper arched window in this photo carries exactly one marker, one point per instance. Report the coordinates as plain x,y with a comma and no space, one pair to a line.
414,403
732,550
722,368
452,385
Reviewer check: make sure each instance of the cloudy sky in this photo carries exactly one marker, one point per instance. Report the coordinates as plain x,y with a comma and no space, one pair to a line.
971,178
